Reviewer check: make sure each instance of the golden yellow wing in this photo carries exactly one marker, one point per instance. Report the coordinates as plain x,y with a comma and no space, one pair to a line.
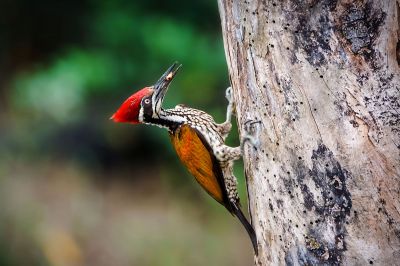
197,156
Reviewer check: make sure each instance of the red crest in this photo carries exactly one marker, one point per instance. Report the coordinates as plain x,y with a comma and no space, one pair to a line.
129,110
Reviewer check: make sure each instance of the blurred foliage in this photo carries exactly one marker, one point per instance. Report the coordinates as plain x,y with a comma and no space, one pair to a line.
65,67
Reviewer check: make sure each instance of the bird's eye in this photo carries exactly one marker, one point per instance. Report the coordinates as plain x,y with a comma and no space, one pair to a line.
146,101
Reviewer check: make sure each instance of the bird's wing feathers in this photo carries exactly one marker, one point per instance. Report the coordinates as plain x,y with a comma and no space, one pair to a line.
196,154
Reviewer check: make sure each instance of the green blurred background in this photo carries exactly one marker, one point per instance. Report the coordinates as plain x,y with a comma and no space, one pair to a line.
77,189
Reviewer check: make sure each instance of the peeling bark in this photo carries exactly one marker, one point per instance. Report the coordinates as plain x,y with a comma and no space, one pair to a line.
324,79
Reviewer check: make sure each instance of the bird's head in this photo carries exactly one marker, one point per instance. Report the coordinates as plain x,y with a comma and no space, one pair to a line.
145,104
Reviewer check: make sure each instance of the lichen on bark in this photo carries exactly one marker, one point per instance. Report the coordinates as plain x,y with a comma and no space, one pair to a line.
323,77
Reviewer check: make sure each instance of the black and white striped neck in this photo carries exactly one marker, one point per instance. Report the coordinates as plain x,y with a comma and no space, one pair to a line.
169,119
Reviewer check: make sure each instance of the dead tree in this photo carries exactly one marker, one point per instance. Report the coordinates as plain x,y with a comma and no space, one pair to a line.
323,78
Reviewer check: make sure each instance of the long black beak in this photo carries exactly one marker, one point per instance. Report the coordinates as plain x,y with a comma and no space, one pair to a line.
161,87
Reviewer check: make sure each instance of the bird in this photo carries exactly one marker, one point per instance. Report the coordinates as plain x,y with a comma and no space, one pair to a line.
197,139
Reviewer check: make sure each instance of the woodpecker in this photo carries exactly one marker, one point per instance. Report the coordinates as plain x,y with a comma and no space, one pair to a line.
198,140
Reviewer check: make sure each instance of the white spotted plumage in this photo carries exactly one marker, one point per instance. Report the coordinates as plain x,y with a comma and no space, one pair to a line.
215,135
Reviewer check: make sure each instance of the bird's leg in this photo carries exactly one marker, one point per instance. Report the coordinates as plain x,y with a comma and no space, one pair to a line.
224,153
225,127
231,105
251,134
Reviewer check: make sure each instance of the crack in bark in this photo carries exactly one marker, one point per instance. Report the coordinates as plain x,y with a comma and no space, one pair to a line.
320,184
312,115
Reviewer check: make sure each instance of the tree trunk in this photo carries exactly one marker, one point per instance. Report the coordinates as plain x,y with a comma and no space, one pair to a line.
323,78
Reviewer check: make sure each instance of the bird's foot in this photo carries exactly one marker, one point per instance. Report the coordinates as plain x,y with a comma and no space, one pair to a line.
229,94
226,126
251,133
231,105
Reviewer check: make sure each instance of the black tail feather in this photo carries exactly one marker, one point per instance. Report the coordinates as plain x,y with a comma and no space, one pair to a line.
239,214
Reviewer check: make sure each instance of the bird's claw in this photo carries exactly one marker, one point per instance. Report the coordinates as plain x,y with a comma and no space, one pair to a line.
231,109
228,94
249,124
252,132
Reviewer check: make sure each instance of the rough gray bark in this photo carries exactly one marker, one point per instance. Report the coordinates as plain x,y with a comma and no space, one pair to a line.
323,77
